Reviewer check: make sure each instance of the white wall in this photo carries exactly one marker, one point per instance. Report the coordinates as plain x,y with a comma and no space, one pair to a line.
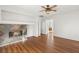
13,16
43,27
29,30
67,25
15,9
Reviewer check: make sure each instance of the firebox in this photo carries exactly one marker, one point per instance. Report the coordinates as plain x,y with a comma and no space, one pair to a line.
17,30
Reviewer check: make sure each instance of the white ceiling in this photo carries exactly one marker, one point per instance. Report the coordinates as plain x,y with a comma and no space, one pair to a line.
34,10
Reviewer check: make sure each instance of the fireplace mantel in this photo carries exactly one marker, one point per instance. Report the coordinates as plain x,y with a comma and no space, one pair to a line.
15,22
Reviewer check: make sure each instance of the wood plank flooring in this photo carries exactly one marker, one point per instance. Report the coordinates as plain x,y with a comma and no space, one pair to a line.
42,45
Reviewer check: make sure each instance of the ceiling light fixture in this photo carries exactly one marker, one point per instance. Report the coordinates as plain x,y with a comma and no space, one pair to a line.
49,8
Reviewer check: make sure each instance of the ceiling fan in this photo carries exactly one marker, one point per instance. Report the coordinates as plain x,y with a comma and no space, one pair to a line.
49,8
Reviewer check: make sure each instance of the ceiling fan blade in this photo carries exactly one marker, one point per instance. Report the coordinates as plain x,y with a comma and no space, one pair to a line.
54,10
54,6
43,7
42,10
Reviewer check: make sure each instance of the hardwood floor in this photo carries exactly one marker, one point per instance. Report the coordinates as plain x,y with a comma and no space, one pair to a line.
42,45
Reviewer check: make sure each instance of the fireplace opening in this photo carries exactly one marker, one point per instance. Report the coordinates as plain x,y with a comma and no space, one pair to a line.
17,30
13,30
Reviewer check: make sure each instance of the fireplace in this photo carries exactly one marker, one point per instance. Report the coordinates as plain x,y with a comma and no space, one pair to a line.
13,30
10,33
17,30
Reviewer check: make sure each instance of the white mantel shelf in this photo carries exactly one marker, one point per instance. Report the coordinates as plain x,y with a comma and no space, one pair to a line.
15,22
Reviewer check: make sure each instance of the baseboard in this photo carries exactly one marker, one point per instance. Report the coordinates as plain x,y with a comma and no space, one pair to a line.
62,37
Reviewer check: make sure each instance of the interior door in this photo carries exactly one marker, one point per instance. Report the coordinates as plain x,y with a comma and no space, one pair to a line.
49,24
